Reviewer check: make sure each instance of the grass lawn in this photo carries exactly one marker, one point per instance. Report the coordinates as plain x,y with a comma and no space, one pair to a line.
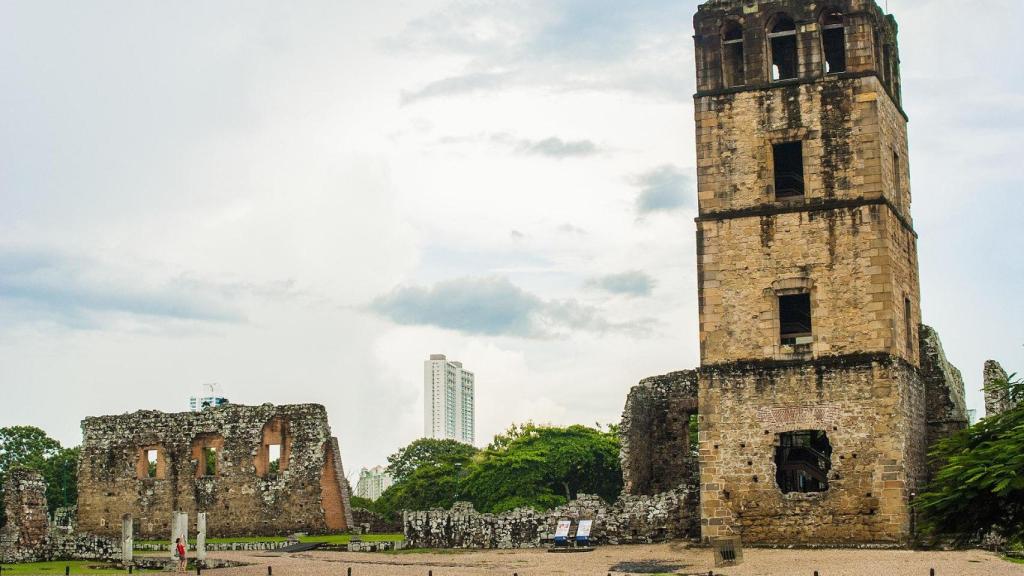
345,538
325,538
77,567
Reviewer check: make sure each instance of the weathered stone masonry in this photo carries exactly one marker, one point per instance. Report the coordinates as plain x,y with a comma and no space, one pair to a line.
24,536
630,520
656,450
29,536
215,461
810,327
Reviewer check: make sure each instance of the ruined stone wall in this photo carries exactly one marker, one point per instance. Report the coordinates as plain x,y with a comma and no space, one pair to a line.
631,520
243,496
871,407
368,522
656,455
997,400
946,405
28,535
24,537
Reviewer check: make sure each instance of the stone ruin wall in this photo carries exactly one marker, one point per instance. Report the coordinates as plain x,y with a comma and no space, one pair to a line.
244,496
656,453
997,400
630,520
881,415
24,536
945,402
368,522
29,536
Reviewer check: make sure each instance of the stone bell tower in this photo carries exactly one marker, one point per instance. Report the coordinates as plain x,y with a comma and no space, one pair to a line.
812,410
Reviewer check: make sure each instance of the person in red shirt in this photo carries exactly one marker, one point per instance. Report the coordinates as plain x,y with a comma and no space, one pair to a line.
179,550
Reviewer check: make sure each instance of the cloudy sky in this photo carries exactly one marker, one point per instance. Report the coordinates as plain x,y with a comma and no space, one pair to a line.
302,200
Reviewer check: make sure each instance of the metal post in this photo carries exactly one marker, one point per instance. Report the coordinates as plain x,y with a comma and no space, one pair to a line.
67,570
270,571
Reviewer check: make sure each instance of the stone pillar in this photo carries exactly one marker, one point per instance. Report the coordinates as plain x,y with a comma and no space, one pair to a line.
127,542
179,529
201,537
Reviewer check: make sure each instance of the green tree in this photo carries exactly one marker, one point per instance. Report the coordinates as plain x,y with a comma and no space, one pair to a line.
427,451
360,502
30,447
980,485
543,466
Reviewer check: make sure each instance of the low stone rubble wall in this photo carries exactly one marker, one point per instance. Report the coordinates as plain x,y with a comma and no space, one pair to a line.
376,546
631,520
366,522
220,546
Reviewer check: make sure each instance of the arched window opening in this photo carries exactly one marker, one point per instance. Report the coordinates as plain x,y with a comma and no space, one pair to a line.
782,42
833,40
732,55
802,461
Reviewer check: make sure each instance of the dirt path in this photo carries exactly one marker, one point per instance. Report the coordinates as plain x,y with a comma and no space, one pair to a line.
620,560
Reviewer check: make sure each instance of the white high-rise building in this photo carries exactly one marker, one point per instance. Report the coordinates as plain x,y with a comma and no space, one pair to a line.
372,482
448,400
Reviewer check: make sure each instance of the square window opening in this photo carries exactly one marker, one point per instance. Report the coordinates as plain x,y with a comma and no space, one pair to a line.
151,460
273,458
803,459
795,319
788,160
209,461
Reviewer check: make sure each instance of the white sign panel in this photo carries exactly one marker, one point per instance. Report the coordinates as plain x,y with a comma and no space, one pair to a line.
584,528
563,529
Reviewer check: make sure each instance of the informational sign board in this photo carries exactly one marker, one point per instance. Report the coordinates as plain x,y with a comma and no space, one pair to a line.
583,530
562,531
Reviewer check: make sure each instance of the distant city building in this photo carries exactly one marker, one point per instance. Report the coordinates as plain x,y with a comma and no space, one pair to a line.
448,400
210,397
372,482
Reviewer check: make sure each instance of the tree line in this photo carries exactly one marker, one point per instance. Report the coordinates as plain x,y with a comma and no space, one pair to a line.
528,465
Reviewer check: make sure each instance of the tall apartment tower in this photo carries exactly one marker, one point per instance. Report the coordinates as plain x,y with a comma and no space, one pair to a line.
812,409
448,400
373,482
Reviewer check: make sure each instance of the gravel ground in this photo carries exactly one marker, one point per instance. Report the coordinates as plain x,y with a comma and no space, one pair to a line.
618,560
